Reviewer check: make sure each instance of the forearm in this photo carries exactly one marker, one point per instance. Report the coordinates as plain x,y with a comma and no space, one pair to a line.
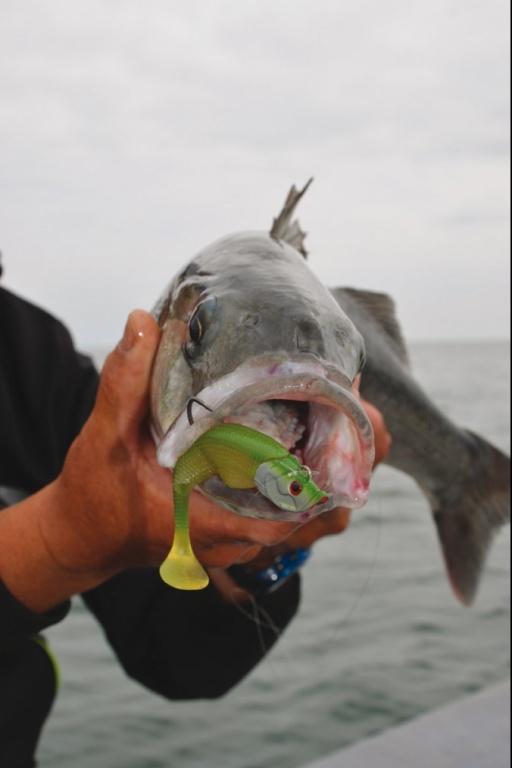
30,565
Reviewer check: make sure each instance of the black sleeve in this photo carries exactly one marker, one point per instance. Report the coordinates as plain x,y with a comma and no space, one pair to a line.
186,645
17,621
47,390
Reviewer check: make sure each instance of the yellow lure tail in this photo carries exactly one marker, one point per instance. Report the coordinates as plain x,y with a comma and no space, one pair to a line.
181,568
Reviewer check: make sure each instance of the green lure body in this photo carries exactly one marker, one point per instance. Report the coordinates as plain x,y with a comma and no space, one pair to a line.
242,458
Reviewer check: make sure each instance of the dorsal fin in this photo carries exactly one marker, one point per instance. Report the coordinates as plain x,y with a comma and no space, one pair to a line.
381,308
283,228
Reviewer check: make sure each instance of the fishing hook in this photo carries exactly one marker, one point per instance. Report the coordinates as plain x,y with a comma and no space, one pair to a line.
189,408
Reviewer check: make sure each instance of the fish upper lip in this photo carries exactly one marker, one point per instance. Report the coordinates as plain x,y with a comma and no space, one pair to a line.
261,380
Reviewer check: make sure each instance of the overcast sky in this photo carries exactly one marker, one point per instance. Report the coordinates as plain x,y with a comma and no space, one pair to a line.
132,134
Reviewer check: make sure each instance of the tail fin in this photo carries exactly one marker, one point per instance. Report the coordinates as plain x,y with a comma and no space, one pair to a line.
467,527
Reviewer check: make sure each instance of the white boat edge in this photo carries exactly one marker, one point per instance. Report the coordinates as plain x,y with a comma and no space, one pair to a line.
471,733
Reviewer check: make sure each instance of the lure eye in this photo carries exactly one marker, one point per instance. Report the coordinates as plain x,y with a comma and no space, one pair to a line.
295,488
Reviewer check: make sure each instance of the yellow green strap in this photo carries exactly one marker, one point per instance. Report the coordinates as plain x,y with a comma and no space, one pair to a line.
39,639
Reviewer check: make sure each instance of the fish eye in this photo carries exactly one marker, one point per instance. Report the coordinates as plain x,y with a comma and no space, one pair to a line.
195,329
295,488
199,324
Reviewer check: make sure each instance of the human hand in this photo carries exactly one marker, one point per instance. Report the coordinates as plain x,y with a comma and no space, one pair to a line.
112,468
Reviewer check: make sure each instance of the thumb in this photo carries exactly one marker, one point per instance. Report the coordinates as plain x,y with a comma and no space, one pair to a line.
125,379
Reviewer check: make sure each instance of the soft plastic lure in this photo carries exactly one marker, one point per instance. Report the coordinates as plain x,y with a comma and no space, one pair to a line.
242,458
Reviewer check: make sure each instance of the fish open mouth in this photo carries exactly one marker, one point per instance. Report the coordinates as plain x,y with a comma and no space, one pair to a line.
307,408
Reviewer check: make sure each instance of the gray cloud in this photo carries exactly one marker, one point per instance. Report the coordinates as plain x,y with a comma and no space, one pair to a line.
133,134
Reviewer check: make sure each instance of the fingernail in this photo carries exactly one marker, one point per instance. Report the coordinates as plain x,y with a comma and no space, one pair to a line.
128,339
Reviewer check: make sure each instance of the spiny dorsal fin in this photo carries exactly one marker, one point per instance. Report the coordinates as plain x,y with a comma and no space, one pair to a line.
381,308
283,228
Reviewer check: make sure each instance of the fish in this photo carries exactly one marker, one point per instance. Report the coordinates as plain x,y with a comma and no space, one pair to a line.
250,335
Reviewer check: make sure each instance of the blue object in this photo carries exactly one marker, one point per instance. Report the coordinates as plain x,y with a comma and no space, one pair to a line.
270,578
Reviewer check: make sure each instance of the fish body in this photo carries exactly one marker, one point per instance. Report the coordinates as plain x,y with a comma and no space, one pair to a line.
465,479
251,336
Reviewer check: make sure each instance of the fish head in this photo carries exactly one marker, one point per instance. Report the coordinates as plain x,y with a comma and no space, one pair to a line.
251,336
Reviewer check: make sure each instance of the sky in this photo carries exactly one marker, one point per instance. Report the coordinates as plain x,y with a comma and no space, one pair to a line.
133,134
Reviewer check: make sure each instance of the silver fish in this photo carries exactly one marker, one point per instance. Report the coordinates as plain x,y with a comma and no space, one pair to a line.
250,335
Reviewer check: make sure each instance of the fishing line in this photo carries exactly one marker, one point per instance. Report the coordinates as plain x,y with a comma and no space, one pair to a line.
261,618
371,569
258,612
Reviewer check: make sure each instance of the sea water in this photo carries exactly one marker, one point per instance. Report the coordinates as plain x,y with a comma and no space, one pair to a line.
379,637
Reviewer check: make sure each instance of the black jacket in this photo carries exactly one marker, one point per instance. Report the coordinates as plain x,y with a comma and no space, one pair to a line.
47,391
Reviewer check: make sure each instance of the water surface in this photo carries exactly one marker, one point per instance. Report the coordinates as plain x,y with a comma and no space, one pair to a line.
379,638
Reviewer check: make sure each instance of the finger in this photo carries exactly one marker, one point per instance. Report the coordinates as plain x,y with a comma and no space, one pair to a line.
226,586
266,533
213,526
224,556
329,523
125,379
382,438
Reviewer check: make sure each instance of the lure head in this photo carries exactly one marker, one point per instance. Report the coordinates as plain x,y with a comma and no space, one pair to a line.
289,485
